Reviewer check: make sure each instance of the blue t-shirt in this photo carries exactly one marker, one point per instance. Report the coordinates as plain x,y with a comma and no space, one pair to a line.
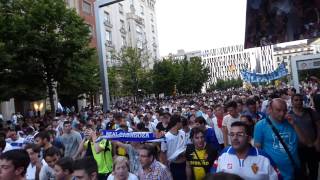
264,135
211,138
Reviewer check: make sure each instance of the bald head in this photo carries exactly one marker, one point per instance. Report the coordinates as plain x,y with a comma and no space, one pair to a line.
278,109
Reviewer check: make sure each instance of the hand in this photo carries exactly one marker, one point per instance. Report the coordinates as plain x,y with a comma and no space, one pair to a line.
290,119
93,135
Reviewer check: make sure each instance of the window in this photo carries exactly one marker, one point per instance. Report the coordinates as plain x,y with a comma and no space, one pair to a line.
91,29
120,8
107,17
108,36
86,7
152,28
123,41
142,10
151,15
122,23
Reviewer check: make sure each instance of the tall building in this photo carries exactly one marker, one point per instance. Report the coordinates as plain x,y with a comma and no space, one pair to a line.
131,23
85,8
181,54
225,63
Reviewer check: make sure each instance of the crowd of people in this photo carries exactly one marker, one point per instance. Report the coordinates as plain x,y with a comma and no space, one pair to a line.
235,134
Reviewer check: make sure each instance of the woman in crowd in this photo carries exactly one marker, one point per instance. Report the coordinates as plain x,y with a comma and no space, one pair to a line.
121,170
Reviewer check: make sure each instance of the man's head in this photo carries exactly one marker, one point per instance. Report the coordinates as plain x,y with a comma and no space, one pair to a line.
278,109
232,108
13,164
239,134
51,156
219,110
63,168
147,155
209,112
67,127
251,105
165,117
197,137
297,101
175,122
42,138
200,122
85,169
33,151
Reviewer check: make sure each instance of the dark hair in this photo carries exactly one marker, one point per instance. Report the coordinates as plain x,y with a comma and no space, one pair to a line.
88,164
35,148
51,152
43,135
241,124
18,157
150,149
195,131
251,101
232,104
316,100
66,163
200,120
222,176
175,119
66,122
296,95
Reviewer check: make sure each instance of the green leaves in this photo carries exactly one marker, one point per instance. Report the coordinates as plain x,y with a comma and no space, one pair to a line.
188,75
44,42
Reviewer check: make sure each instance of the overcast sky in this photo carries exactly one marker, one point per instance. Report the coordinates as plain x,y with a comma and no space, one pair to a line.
199,24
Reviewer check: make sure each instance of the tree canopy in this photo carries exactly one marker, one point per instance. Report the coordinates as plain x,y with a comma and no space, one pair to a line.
44,43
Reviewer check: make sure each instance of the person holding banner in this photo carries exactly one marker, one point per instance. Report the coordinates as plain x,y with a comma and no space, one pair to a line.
100,151
173,149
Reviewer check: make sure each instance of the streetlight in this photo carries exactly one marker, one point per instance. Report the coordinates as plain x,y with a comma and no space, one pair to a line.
101,51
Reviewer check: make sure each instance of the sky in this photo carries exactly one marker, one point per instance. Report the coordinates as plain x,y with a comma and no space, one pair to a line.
199,24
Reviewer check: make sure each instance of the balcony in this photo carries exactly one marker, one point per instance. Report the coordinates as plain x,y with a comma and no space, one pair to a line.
140,20
107,23
154,44
109,44
123,30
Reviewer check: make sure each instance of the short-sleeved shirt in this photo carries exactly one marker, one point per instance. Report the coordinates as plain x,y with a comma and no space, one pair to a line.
103,158
270,144
174,145
227,121
157,171
200,166
135,164
71,143
307,122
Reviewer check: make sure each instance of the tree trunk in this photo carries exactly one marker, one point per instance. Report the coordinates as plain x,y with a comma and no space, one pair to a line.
51,98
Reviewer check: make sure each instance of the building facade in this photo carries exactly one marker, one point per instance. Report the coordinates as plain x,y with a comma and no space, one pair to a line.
225,63
85,9
131,23
181,54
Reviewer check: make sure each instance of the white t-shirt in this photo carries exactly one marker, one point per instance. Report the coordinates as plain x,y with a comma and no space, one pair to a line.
217,130
174,144
227,121
131,177
31,172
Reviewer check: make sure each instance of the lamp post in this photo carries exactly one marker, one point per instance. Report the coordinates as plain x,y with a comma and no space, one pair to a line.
101,51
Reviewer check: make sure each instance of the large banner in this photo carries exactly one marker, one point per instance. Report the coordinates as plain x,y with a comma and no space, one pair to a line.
130,136
251,77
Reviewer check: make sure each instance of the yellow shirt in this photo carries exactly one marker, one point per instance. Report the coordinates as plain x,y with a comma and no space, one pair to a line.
199,172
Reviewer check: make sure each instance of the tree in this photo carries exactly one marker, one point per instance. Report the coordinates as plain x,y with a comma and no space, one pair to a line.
133,68
47,42
164,76
83,79
193,74
226,84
